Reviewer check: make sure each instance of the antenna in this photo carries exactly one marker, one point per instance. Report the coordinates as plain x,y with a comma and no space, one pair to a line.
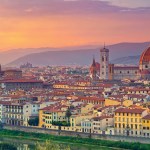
104,45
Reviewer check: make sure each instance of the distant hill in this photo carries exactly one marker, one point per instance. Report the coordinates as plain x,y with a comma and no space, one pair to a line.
13,54
128,52
134,60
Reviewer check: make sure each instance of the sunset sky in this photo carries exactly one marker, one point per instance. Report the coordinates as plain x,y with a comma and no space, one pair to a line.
60,23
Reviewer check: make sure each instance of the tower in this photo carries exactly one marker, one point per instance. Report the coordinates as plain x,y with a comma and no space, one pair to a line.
104,64
94,70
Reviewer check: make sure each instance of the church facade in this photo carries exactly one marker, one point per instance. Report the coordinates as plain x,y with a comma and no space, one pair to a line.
109,71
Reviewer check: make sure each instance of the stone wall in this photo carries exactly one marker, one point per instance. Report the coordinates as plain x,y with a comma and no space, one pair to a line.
79,134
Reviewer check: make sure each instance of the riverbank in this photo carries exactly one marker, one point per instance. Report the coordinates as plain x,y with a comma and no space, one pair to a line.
78,140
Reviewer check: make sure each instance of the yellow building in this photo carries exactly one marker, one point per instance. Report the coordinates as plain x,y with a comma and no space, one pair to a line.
51,114
110,102
146,126
75,120
61,85
87,108
127,103
128,121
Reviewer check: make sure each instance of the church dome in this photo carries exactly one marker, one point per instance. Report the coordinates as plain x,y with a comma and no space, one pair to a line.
145,57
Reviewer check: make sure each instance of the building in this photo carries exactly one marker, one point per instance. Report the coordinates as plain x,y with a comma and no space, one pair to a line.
86,126
101,123
128,121
120,72
51,114
104,64
144,64
13,114
146,126
10,73
95,70
22,84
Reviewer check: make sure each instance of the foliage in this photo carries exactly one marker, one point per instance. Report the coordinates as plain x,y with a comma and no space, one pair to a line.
61,123
68,114
79,140
1,125
5,146
49,145
33,121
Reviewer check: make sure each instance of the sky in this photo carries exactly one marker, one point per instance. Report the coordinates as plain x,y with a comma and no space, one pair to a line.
61,23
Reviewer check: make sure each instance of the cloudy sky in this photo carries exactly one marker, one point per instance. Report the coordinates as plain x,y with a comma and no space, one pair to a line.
60,23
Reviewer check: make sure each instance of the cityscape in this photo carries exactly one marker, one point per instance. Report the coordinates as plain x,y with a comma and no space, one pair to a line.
65,86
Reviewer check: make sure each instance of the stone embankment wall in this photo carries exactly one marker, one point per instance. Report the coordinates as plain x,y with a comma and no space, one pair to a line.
79,134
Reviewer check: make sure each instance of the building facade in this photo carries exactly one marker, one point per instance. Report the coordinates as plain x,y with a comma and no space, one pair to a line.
119,72
104,64
128,121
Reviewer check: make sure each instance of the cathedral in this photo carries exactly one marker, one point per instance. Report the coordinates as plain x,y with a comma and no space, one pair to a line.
107,71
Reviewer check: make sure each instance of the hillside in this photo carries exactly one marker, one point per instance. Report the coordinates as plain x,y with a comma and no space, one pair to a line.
130,53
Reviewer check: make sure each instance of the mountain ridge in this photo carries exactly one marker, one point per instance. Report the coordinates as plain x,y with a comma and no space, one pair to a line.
83,56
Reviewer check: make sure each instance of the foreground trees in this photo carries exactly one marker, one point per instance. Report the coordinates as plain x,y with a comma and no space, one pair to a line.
49,145
6,146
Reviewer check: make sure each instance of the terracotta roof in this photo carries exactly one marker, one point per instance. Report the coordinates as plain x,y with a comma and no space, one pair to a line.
147,117
127,110
145,57
21,81
101,117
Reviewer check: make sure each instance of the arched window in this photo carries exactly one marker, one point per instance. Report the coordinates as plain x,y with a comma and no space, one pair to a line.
102,58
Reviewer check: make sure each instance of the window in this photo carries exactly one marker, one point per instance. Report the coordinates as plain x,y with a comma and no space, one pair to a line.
102,58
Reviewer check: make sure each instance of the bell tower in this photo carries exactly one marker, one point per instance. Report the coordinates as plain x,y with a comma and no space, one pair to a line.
104,63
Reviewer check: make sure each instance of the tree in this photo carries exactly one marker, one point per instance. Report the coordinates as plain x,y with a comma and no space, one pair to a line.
49,145
6,146
68,114
1,125
33,121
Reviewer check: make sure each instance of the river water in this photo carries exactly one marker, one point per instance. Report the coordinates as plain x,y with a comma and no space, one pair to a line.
30,145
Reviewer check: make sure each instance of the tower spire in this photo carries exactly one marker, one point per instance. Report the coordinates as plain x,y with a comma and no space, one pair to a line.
94,61
104,45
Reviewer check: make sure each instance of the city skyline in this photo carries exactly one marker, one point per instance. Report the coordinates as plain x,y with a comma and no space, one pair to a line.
59,23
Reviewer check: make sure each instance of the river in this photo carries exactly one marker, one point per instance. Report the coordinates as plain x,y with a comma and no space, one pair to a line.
30,145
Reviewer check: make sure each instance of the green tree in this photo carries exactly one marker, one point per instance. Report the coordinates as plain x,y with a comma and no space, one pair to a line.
6,146
49,145
1,125
68,114
33,121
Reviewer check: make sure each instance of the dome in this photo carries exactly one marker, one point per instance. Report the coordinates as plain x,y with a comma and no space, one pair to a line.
145,57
